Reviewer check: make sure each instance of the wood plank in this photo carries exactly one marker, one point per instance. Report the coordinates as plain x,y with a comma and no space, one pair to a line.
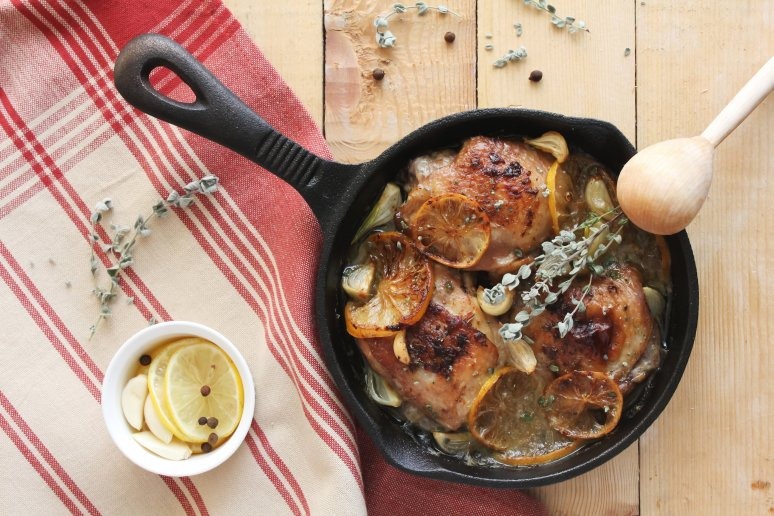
711,451
289,33
609,489
584,74
425,77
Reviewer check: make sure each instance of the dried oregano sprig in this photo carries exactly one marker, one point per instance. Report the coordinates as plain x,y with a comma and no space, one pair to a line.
124,238
512,55
385,38
567,22
565,256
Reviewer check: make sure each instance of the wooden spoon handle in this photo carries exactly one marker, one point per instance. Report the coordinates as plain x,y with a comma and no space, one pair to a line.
741,105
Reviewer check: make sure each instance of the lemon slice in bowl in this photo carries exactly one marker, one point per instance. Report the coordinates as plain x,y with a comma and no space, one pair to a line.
156,371
201,382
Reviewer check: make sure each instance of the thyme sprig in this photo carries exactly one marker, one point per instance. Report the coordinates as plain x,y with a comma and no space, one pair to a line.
385,38
568,22
567,255
123,240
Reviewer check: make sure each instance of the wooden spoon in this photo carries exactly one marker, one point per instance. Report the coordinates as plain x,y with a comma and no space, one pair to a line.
662,188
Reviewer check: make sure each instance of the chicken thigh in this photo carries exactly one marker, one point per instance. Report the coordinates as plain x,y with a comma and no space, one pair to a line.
508,180
610,336
451,353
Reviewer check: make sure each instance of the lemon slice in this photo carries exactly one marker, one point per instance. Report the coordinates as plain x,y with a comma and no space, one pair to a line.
560,188
156,372
201,381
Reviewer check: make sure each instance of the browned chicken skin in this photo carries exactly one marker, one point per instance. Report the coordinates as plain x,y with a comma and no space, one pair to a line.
450,354
505,177
611,336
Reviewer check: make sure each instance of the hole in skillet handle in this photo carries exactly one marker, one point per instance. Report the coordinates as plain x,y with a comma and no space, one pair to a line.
169,84
219,115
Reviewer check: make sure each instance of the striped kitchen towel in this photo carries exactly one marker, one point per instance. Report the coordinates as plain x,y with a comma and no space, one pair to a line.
241,261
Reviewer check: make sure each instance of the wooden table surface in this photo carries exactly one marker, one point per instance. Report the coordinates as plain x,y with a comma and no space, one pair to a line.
711,451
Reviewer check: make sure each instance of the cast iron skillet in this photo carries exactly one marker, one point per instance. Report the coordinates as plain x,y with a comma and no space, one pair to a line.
341,196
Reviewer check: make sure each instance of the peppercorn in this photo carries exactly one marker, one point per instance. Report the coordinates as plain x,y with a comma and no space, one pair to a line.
535,76
212,439
206,447
202,420
205,390
145,360
212,422
378,74
449,37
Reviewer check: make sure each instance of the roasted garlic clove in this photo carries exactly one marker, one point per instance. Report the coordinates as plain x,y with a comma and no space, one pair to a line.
552,143
452,442
597,197
357,281
380,391
399,348
494,301
521,356
655,300
382,212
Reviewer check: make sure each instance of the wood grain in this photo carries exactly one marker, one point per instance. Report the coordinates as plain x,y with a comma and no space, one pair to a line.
425,77
584,74
290,35
712,451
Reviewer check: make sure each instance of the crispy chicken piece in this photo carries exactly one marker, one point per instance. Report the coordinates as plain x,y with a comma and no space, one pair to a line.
505,177
450,354
611,336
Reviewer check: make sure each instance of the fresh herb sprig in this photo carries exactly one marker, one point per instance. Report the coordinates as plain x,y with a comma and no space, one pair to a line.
568,22
123,240
385,38
567,255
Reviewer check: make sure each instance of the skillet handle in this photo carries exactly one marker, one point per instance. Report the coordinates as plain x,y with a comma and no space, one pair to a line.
217,113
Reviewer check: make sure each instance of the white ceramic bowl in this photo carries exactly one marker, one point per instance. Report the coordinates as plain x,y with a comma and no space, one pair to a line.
121,369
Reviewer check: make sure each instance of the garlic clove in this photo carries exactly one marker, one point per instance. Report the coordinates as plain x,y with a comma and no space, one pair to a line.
521,356
400,349
155,425
597,197
380,391
133,400
452,442
655,300
175,450
358,280
552,143
502,303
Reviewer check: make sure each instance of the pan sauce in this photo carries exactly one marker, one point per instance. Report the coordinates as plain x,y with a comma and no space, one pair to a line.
434,370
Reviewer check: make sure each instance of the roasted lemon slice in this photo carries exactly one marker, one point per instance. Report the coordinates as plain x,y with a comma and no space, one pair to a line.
402,288
201,381
507,416
584,404
560,194
452,229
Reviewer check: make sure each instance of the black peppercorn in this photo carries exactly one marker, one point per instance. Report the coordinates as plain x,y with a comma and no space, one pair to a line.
449,37
145,360
202,420
535,76
212,439
206,447
212,422
205,390
378,74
